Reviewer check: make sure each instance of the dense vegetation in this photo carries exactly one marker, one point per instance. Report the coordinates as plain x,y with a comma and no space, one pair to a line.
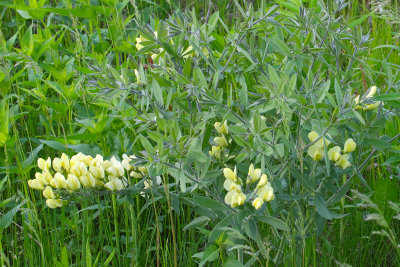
264,133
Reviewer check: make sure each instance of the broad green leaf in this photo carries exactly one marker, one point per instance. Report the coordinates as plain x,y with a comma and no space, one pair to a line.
7,218
197,222
274,222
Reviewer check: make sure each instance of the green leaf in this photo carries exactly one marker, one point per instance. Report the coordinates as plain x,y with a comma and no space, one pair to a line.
387,97
274,222
321,208
146,144
7,218
88,254
197,222
62,108
209,203
210,254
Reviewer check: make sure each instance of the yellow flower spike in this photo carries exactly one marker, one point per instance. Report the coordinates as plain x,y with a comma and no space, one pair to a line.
59,181
349,146
57,166
221,141
54,203
44,165
257,203
231,175
263,181
48,193
312,136
215,152
334,153
73,182
35,184
221,128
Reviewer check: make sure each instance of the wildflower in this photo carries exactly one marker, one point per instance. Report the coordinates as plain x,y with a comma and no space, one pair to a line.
215,152
221,141
343,161
266,192
54,203
263,181
58,182
48,193
135,174
188,52
312,136
44,165
231,175
87,180
116,169
334,153
257,203
221,128
138,81
235,199
253,175
316,152
349,146
73,182
65,162
114,184
35,184
229,185
57,166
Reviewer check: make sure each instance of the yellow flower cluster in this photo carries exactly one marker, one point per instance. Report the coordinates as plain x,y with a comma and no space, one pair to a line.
233,185
222,128
82,171
370,93
235,196
263,190
316,151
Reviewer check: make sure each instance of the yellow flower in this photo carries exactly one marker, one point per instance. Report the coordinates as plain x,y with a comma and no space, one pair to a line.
48,193
343,161
257,203
58,182
221,141
54,203
40,178
312,136
87,180
253,175
373,105
115,184
116,169
266,192
229,185
371,92
57,165
349,146
334,153
138,81
235,198
73,182
186,53
316,152
221,128
215,152
65,162
263,181
79,168
35,184
44,165
231,175
137,175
